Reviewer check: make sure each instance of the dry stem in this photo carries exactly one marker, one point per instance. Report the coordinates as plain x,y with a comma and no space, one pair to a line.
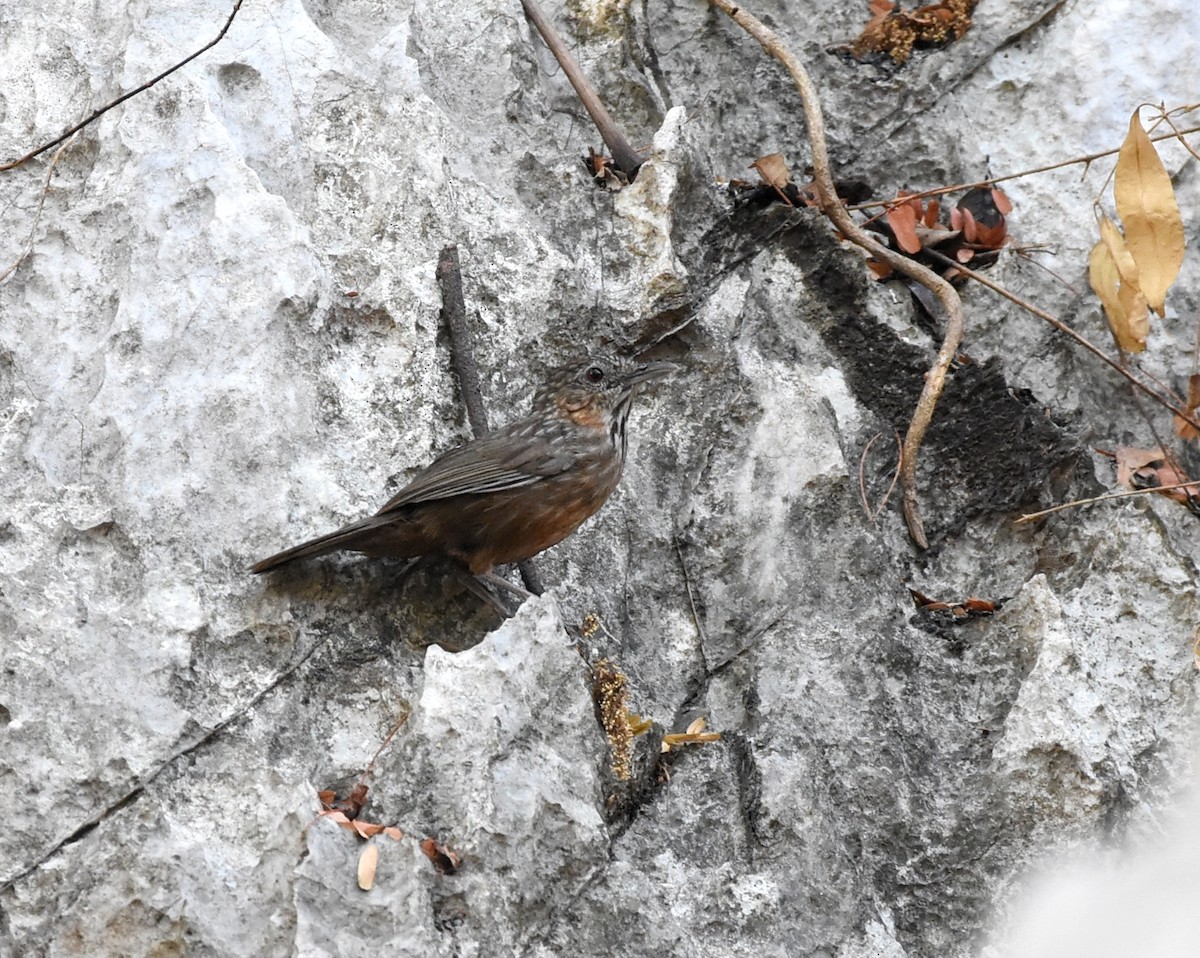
832,207
1089,158
1030,516
96,114
1064,328
624,155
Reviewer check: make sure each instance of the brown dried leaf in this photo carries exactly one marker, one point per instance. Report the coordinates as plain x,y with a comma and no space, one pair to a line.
677,739
879,12
393,833
1149,469
903,221
1131,461
773,170
1150,215
368,861
1137,315
444,859
364,829
1000,198
931,213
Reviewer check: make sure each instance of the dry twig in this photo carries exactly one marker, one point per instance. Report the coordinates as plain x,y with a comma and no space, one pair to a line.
962,187
1030,516
449,277
624,155
96,114
831,206
862,478
37,214
1062,327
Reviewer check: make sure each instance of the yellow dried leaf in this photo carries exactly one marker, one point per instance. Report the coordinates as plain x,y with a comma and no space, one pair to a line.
1137,319
1114,275
1149,213
1106,281
697,726
368,861
1111,236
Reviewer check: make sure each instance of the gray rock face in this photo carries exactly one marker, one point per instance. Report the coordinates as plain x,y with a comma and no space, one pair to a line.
222,336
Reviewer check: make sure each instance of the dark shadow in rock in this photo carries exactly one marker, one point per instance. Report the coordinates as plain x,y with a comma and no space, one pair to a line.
990,448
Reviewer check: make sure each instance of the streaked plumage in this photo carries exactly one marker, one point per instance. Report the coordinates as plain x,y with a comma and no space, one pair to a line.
510,494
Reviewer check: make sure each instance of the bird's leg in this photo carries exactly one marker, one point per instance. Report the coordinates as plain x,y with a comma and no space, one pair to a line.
502,583
475,584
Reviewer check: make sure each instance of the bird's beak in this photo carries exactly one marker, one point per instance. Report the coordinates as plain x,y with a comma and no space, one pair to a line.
648,371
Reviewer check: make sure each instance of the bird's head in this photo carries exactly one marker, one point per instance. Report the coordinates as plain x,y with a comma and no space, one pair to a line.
597,391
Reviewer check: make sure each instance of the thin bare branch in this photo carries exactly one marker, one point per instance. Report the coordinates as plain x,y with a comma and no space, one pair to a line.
1089,158
96,114
623,154
449,277
37,215
1030,516
399,724
1062,327
831,206
874,514
687,583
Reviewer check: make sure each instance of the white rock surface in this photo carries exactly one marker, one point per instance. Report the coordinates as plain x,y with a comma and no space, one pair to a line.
187,383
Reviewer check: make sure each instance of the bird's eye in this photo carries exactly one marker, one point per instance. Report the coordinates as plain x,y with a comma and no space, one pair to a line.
594,374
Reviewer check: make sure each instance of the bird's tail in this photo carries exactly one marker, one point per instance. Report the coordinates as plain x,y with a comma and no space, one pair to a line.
347,537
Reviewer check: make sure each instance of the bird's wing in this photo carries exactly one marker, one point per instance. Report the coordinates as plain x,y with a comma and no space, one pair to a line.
489,464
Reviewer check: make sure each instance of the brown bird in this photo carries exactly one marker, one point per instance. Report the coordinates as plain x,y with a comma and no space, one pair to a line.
508,495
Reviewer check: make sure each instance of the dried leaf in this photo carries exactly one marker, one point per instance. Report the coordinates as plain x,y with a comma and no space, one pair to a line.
1000,198
932,210
444,859
682,738
1129,460
1103,274
368,861
393,833
1149,469
364,829
879,12
1150,215
962,219
903,221
773,170
695,735
1137,315
1111,237
970,608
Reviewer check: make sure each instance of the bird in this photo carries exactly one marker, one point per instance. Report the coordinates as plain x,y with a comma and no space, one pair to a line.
514,492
